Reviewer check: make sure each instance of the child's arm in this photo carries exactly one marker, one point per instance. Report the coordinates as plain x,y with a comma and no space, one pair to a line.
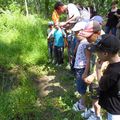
88,55
98,69
66,42
49,35
76,46
90,78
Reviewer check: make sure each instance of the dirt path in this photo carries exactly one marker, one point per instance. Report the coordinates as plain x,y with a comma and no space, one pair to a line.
55,84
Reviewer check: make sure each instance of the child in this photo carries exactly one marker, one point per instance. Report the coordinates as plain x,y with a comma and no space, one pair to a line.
82,64
92,31
107,49
50,38
94,112
59,35
71,47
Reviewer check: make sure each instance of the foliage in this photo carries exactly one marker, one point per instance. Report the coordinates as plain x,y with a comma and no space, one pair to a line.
22,44
45,7
17,95
22,39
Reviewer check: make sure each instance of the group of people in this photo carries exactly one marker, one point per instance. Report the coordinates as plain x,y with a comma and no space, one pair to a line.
93,55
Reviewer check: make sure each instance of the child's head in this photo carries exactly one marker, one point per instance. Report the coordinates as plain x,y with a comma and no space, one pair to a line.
106,47
91,31
79,27
98,18
50,24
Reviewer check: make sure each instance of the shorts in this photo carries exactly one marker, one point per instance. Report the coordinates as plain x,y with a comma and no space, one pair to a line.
81,85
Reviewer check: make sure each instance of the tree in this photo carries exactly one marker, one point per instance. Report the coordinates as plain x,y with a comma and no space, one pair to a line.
71,1
47,7
26,7
37,6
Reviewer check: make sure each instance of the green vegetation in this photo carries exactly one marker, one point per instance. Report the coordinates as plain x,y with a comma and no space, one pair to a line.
22,44
22,39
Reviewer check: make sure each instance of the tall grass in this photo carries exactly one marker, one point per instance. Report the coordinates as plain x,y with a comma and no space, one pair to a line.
22,39
22,42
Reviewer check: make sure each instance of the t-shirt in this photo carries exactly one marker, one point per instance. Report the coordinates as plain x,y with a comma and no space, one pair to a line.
80,60
73,11
112,19
51,34
85,14
55,16
59,37
108,85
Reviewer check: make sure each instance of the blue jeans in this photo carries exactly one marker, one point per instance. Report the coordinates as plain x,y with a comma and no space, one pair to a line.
112,29
81,85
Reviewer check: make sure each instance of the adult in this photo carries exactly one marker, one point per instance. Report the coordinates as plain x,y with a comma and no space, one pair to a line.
112,20
71,10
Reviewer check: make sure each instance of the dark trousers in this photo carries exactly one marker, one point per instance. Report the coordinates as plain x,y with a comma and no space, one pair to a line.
58,54
112,29
50,50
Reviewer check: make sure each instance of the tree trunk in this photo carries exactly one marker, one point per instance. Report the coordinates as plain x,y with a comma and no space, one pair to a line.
47,7
71,1
37,6
26,8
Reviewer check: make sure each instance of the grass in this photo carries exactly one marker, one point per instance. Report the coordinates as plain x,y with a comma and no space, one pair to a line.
22,40
22,44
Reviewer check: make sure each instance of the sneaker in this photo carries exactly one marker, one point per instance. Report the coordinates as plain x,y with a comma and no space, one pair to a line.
94,117
78,107
53,62
49,60
56,64
87,113
59,65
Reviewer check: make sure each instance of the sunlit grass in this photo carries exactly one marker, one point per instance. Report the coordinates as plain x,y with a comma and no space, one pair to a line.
23,38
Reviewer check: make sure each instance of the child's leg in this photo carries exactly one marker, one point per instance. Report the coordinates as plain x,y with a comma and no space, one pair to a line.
49,50
56,54
97,108
81,85
60,55
83,99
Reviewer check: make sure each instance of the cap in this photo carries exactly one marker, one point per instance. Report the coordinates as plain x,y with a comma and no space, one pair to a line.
91,27
106,43
98,19
79,26
50,23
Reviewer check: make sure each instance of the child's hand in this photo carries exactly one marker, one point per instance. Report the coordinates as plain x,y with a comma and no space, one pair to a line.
99,64
89,79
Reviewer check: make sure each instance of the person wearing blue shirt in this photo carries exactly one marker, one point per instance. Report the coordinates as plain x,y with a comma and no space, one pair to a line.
59,35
